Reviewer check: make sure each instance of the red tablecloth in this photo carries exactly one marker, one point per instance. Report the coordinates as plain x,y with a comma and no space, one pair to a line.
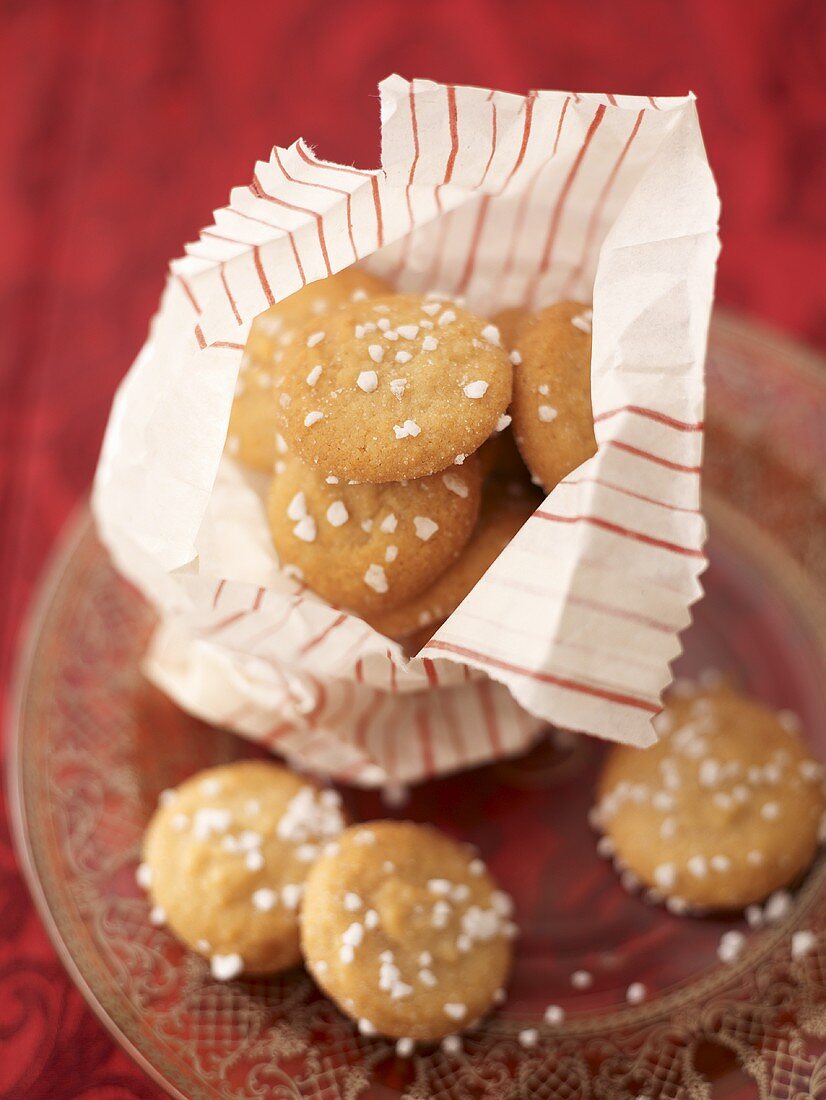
124,124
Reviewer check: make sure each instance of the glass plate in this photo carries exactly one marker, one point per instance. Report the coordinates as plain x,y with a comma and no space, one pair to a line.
94,744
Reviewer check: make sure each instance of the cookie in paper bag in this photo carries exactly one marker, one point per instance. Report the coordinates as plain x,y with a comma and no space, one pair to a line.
724,809
371,547
392,388
553,423
252,430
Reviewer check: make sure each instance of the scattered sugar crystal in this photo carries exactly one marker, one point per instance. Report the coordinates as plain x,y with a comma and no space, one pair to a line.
754,857
730,946
425,958
427,977
431,308
368,381
503,422
583,321
384,324
528,1037
459,460
366,1028
810,770
313,418
389,524
491,334
554,1015
455,1011
516,359
305,529
307,853
376,578
451,1044
668,828
398,385
337,514
408,332
777,907
157,916
546,413
331,479
314,375
352,902
391,553
389,867
226,967
476,389
365,836
315,339
446,318
430,343
358,295
376,352
770,811
789,721
143,876
371,919
476,867
401,357
635,993
291,895
425,527
366,525
582,979
754,916
720,863
405,1047
264,899
285,400
179,822
346,953
802,943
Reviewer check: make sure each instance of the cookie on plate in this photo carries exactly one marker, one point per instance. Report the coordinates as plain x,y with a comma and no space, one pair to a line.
505,508
392,388
406,930
252,424
225,857
370,547
553,423
723,810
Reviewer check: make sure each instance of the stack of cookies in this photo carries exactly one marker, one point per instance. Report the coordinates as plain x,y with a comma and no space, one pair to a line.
384,419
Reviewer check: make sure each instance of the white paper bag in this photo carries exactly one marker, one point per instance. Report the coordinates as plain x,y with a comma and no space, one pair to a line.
504,200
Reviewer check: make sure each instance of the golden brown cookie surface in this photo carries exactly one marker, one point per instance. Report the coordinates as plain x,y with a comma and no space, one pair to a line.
406,930
392,388
225,858
252,425
369,547
509,322
553,423
504,510
722,810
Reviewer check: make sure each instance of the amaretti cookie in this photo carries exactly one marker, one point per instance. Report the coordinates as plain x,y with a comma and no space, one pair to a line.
225,858
371,547
392,388
406,930
252,425
553,423
724,809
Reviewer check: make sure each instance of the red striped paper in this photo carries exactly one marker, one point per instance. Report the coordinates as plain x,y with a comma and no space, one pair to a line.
504,200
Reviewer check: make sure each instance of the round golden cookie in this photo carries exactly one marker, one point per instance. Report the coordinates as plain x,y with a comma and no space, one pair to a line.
406,931
552,418
392,388
371,547
504,510
251,437
225,858
722,810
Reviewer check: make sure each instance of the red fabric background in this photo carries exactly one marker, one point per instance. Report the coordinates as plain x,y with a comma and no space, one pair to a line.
122,126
